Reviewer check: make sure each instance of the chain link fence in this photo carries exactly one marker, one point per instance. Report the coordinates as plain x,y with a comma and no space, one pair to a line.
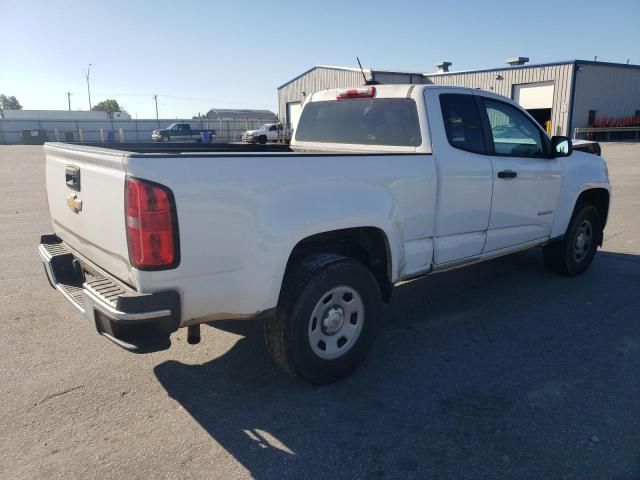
227,130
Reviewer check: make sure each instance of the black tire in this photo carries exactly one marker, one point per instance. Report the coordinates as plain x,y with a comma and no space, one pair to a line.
262,140
165,139
569,256
287,333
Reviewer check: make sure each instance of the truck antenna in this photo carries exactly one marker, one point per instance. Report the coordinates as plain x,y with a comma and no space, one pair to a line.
362,71
366,82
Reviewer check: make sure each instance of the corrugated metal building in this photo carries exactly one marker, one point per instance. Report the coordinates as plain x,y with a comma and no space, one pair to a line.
292,94
241,114
560,95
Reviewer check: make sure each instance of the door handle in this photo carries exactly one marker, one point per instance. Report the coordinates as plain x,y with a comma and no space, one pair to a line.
507,174
72,177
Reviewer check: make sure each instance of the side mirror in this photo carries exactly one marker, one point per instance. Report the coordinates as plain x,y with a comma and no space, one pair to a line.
561,146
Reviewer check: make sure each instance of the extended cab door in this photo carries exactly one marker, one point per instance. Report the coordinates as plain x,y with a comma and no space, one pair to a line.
527,182
465,174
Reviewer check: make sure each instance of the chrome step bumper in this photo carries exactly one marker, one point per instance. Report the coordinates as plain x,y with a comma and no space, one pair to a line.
135,321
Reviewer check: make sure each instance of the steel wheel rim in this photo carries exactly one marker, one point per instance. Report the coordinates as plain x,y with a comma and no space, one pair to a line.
336,322
582,241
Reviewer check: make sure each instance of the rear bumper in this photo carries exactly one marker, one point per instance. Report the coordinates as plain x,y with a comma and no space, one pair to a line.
137,322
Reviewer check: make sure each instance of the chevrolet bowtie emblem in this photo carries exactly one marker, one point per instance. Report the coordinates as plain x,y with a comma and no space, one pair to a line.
74,203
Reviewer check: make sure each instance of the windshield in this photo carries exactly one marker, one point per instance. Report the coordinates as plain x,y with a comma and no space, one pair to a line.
370,121
266,126
170,127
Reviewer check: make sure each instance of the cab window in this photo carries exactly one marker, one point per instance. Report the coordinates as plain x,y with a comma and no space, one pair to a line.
365,121
462,122
512,132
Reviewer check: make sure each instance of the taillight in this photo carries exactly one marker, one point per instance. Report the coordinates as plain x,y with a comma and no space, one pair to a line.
152,229
364,92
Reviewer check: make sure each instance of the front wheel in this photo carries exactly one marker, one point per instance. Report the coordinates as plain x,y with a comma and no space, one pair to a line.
574,253
165,139
326,319
262,140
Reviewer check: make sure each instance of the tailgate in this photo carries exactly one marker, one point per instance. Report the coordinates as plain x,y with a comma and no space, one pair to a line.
85,191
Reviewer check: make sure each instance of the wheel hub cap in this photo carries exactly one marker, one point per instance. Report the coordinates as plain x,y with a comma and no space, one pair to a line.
336,322
582,244
333,320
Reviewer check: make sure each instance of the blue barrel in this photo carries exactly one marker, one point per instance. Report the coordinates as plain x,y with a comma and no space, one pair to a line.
111,136
205,137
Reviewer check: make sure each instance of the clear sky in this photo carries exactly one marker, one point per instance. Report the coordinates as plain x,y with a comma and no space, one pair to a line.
234,54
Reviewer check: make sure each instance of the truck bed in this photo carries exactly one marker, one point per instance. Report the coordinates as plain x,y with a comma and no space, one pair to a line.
176,148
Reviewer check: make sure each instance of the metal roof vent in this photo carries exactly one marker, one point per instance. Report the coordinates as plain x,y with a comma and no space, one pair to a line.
443,66
515,61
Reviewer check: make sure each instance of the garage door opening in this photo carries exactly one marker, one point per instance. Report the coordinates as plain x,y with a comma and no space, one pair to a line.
293,115
542,116
537,99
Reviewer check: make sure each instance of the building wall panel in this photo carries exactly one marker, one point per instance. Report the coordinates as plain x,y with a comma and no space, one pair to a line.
320,78
612,91
502,81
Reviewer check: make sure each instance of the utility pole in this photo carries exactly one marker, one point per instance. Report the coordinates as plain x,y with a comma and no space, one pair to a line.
155,98
69,99
88,72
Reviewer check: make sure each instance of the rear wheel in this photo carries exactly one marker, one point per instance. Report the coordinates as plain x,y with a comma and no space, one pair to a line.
326,319
574,253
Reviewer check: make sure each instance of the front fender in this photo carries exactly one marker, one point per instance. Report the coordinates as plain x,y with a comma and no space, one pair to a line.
581,172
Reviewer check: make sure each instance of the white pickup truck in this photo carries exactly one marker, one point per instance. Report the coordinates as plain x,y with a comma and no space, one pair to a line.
380,185
269,132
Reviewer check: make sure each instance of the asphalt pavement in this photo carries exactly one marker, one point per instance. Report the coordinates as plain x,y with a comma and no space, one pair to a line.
501,370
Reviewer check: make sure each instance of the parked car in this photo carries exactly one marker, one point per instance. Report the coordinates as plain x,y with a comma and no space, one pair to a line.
381,185
182,132
588,146
269,132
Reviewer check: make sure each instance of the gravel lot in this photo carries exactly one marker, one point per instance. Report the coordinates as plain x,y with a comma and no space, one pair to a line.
500,370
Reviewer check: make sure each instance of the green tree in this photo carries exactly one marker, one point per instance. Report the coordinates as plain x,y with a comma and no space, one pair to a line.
108,106
9,103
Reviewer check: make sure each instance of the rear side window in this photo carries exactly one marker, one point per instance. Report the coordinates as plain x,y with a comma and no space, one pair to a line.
462,122
362,121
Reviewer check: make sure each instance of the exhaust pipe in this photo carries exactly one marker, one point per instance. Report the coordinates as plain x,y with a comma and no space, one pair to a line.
193,334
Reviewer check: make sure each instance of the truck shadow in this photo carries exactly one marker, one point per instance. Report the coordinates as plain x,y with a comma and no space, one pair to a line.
471,369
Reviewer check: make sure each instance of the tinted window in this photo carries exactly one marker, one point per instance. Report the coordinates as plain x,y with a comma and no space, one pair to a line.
365,121
513,133
462,122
